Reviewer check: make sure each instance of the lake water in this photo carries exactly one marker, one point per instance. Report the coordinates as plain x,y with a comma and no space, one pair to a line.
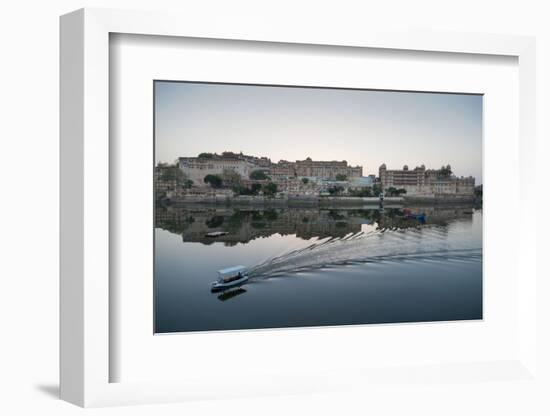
313,266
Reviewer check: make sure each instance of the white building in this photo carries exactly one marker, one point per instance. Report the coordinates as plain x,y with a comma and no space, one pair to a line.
425,182
196,168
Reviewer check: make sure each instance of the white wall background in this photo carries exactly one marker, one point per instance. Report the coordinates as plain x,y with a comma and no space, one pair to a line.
29,203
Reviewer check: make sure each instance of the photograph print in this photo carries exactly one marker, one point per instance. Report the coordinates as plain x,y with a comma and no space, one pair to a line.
289,206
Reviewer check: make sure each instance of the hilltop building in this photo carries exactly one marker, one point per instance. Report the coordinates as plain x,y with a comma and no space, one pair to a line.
425,182
316,177
196,168
315,169
282,170
327,169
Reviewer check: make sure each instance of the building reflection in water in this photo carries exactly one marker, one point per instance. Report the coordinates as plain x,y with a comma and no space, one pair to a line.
243,224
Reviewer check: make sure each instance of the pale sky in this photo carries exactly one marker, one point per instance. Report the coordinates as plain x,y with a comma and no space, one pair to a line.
364,127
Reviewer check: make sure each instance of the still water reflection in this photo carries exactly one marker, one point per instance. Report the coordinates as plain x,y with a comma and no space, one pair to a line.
312,266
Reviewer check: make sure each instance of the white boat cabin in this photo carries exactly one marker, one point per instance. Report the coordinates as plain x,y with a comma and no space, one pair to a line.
226,275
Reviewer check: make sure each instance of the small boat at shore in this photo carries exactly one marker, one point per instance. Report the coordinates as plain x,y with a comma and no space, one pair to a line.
216,234
408,214
230,277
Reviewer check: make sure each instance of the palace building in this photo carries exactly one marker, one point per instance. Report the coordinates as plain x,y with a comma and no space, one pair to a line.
327,169
315,169
426,182
196,168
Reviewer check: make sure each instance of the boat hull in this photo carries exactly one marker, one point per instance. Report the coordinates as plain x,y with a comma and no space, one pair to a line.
219,287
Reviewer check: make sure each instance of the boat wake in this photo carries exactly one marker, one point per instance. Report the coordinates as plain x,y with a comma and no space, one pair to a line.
426,242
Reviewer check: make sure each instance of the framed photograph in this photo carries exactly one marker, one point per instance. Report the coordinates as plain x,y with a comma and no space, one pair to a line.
262,213
252,213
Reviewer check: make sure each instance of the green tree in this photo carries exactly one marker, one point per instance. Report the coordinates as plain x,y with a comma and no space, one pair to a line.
231,178
376,189
258,175
243,190
341,177
445,171
305,181
255,188
214,180
363,192
335,190
207,155
391,191
239,190
270,189
188,183
170,173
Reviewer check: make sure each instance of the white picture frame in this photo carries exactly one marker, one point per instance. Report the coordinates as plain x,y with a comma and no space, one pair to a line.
85,211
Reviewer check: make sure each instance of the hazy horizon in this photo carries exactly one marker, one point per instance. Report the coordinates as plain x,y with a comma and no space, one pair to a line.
363,127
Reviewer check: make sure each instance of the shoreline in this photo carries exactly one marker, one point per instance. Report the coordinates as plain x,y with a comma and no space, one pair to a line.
389,202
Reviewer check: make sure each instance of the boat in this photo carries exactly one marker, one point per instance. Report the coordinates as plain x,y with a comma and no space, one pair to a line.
230,277
216,234
408,214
